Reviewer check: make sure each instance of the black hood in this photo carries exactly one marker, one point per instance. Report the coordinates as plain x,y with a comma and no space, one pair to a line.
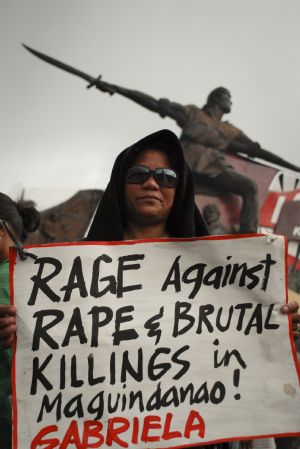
110,218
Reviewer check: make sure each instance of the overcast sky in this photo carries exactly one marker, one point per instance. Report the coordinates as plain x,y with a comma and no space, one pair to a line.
57,135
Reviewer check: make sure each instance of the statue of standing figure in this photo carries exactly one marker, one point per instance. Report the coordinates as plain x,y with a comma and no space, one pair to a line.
205,139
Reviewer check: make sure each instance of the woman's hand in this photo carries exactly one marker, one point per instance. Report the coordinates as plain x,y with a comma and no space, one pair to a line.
7,325
292,308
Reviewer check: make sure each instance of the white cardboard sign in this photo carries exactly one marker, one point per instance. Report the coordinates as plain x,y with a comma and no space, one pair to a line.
157,344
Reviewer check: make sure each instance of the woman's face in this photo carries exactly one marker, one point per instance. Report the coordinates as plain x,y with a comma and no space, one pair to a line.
149,203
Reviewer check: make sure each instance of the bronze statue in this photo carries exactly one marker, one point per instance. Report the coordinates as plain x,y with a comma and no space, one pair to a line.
205,138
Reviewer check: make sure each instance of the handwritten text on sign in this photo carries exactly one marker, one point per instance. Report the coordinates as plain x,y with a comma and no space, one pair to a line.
158,344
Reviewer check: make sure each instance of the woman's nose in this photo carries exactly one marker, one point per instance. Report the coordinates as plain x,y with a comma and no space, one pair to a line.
151,183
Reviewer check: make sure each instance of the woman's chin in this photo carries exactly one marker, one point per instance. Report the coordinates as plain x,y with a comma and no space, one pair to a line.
150,216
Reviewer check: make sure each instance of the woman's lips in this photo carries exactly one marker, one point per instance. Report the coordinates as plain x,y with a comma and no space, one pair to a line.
148,197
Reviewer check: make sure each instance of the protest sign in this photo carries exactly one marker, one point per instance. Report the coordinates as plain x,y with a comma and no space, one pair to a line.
157,344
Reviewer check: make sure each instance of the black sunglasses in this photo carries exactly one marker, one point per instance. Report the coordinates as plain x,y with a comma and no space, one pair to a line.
165,177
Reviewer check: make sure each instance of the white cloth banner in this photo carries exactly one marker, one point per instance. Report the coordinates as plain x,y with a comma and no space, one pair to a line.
155,344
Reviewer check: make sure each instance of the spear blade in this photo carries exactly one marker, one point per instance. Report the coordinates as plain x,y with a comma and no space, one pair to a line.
63,66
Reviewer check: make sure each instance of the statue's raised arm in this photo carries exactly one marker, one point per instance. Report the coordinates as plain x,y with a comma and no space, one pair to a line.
142,99
162,106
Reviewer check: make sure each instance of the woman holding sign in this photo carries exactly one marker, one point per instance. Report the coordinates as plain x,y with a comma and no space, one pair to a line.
150,196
